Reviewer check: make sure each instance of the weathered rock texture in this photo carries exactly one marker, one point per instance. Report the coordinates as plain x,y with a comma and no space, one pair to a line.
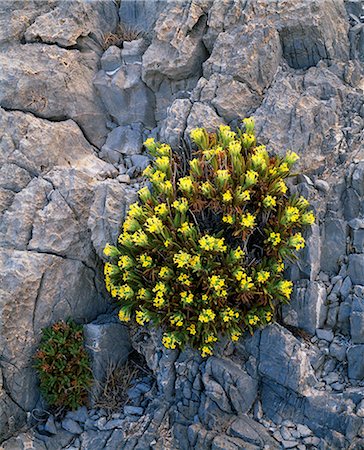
73,116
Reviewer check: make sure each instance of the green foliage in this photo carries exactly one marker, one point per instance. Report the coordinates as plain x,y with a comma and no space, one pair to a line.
63,365
202,255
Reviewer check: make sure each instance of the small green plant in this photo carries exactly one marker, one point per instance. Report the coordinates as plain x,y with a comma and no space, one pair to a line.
203,255
63,365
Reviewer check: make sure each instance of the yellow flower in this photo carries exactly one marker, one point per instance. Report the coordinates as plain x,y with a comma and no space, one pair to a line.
281,186
248,220
242,195
143,294
207,315
268,316
195,262
186,184
262,276
161,210
217,283
302,202
144,194
283,168
126,240
166,187
170,341
130,224
164,150
249,124
291,157
206,351
135,211
150,143
181,205
186,297
167,243
238,253
222,175
279,267
210,243
125,262
154,225
124,315
141,317
125,292
184,279
157,177
162,163
235,148
204,297
291,215
246,282
192,329
160,287
165,272
148,171
210,338
185,228
308,218
297,241
227,197
207,189
181,259
259,158
177,320
251,177
109,250
274,238
253,320
235,336
159,300
195,167
199,137
226,134
269,201
228,219
285,288
229,314
146,261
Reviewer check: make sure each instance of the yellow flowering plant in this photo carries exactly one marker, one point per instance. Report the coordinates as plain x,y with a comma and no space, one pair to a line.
202,253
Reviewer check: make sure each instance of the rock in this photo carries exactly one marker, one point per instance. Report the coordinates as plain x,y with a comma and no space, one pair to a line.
327,335
333,244
50,426
176,52
124,178
289,444
346,287
132,51
80,415
126,140
111,59
71,426
356,224
355,355
357,179
287,364
360,409
173,127
94,439
140,162
121,90
307,309
69,24
303,430
134,410
358,240
202,115
241,52
338,351
332,377
356,268
108,345
357,321
140,15
252,432
108,209
322,186
54,93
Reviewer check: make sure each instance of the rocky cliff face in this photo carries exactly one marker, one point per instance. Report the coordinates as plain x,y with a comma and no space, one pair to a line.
74,111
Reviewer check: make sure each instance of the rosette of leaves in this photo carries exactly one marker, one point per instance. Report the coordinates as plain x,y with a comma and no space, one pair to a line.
203,255
63,365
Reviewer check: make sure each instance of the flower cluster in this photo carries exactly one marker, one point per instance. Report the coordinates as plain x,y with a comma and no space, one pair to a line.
202,255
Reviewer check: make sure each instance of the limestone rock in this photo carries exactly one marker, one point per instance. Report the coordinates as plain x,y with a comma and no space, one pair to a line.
68,22
283,360
173,127
54,92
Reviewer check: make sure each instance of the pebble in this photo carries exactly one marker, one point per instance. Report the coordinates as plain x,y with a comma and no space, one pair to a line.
332,377
80,415
133,410
311,440
326,335
322,186
125,178
277,436
360,409
288,423
115,423
289,444
339,387
71,426
301,447
50,426
286,435
304,430
100,423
